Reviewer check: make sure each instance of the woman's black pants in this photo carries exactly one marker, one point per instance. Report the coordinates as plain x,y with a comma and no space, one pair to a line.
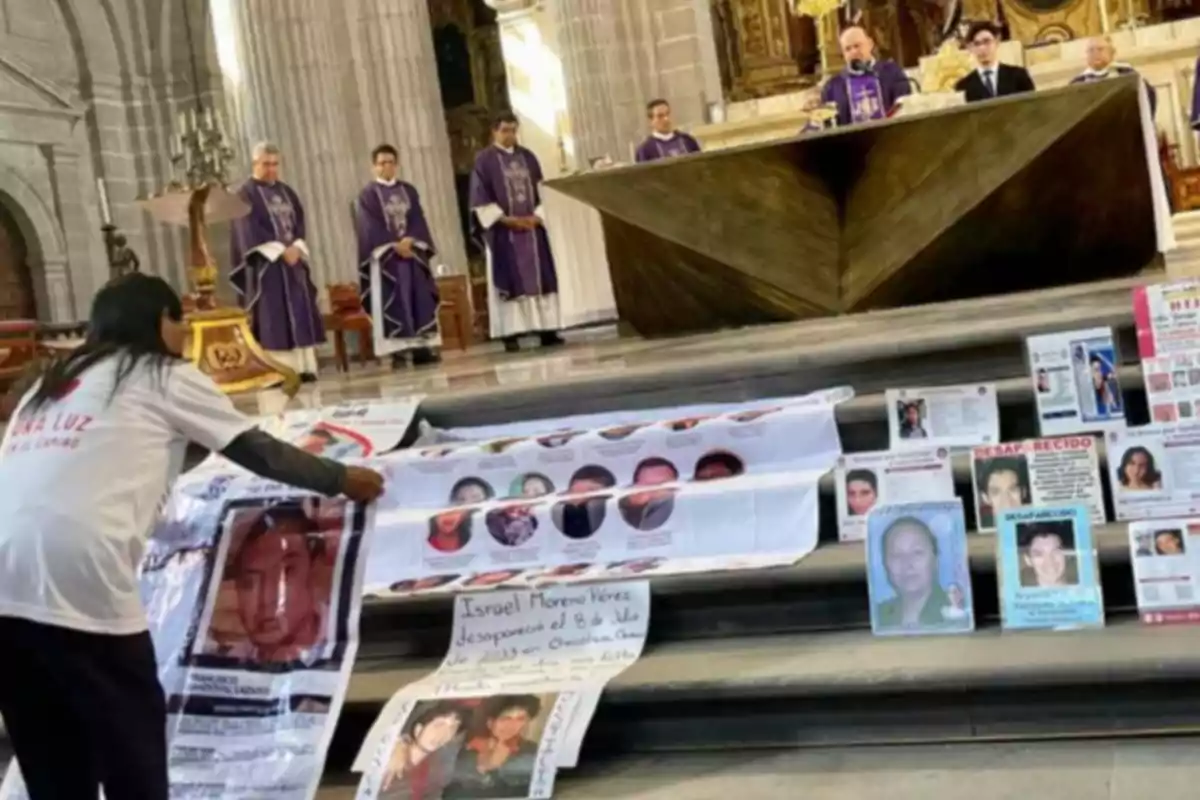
83,710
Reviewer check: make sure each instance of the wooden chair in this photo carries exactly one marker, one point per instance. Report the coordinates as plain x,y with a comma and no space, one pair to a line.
455,317
1183,184
18,350
348,315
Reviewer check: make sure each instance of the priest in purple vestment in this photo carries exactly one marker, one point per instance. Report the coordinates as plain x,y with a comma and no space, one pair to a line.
270,268
664,141
395,276
506,209
867,89
1101,66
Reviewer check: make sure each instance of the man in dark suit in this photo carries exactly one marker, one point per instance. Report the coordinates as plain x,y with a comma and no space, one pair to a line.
991,78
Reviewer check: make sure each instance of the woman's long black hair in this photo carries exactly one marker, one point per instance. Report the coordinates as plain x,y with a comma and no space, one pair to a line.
126,323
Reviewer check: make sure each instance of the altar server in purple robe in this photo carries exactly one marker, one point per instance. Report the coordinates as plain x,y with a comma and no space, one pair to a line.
664,140
507,209
395,276
1101,65
270,268
867,89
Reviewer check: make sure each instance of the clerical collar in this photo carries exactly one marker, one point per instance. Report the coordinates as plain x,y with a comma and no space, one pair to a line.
388,184
1104,73
868,66
509,150
663,137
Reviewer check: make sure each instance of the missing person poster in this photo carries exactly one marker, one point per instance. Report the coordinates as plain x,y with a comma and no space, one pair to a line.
511,702
351,430
632,498
253,596
1154,471
918,576
344,432
1167,317
1049,576
943,416
864,480
1165,554
1037,472
1075,382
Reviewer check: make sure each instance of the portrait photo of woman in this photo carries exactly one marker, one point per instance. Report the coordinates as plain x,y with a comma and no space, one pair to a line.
917,570
499,753
531,485
1138,471
450,531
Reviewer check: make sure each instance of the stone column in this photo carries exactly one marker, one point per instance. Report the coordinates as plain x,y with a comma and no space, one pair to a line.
288,92
529,39
399,102
69,293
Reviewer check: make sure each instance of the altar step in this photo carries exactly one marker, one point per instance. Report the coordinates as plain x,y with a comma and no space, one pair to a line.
1184,260
1063,770
784,659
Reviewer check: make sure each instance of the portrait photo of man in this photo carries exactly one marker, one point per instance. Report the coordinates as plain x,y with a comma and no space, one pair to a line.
276,596
582,512
649,509
1001,483
1047,554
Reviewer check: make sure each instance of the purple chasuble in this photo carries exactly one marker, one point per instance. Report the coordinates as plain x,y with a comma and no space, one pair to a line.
280,299
522,265
654,148
408,291
866,96
1116,71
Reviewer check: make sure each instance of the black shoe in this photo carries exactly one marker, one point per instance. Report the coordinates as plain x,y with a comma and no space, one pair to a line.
512,344
399,361
551,339
424,356
308,377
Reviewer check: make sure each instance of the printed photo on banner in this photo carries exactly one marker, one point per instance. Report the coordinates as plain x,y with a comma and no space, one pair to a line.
468,748
864,480
1056,471
1167,317
649,492
1153,471
281,585
943,416
918,575
1076,387
648,509
1048,569
583,511
1165,554
351,430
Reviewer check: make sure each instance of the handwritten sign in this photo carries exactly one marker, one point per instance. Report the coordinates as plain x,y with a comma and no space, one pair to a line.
568,641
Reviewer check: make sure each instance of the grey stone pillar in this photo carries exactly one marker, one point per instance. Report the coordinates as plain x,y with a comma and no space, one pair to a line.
289,93
399,102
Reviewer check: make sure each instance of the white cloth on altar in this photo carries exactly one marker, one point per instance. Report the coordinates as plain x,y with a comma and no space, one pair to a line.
1158,186
576,232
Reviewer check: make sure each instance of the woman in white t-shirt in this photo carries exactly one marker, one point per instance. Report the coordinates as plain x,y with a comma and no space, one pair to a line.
85,464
